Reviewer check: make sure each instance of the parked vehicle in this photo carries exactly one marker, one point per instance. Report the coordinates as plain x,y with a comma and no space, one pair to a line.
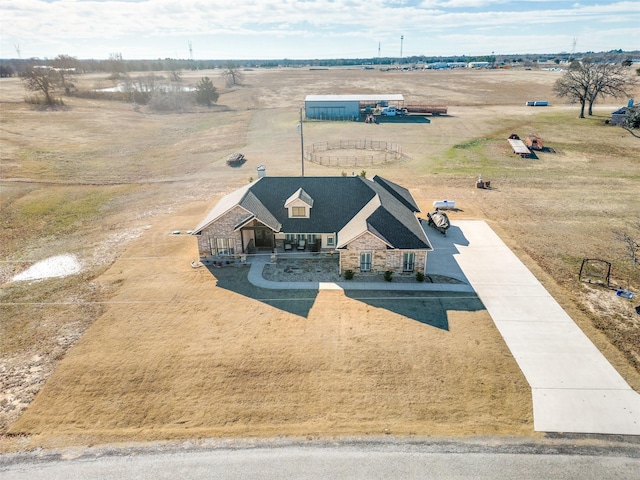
392,111
439,220
537,103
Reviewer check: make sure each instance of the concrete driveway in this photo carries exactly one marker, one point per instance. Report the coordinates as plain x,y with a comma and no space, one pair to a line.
575,389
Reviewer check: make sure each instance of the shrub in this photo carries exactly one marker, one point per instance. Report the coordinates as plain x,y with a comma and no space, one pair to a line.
420,276
388,275
170,101
348,274
42,102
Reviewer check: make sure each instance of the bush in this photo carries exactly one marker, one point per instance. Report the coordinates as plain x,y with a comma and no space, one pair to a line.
170,101
42,102
419,276
388,275
348,274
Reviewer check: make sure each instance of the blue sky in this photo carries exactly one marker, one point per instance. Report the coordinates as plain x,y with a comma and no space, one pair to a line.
300,29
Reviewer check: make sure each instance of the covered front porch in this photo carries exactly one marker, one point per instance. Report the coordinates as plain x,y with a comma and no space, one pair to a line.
258,238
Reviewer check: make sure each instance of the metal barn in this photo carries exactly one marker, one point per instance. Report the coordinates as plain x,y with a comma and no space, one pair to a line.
345,107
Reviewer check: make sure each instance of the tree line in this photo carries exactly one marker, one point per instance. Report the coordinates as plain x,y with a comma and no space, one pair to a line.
59,76
11,67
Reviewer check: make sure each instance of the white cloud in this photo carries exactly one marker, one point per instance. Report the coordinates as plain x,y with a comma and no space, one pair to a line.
81,24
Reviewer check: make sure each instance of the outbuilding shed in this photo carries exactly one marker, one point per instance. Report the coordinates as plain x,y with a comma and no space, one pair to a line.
619,116
346,107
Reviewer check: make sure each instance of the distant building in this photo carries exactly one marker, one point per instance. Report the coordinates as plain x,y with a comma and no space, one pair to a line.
478,65
346,107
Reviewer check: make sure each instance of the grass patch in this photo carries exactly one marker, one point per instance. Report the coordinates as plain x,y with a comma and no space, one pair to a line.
53,212
474,143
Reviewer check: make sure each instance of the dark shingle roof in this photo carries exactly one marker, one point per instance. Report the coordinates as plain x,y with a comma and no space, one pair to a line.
400,193
252,203
336,201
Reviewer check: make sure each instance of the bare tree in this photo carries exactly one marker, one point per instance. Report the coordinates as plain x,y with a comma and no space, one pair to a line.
175,72
575,84
66,67
608,79
631,242
632,120
117,66
585,81
42,79
232,74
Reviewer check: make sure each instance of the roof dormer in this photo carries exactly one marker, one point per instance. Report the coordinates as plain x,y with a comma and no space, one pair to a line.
299,204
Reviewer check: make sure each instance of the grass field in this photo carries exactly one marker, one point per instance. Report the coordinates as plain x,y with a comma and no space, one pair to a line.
164,351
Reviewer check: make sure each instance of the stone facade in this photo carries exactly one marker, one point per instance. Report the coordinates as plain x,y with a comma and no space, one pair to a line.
382,258
395,260
223,227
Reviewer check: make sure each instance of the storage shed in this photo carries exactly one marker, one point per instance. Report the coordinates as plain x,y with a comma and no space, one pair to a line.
346,107
619,116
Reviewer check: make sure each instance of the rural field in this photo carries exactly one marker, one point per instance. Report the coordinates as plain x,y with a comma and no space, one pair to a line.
137,345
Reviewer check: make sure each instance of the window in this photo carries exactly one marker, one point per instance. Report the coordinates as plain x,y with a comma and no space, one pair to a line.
298,212
408,260
365,261
222,246
330,241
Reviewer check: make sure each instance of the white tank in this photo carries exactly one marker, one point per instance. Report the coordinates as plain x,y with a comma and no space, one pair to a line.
444,204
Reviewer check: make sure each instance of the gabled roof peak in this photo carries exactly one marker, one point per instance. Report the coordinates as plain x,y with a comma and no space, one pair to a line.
300,194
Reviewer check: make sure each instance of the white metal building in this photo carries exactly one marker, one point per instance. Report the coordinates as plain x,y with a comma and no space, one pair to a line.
345,107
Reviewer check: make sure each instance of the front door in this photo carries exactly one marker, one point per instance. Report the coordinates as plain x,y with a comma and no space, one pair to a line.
264,237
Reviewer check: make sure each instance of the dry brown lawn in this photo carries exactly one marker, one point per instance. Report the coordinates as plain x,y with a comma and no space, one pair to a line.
166,351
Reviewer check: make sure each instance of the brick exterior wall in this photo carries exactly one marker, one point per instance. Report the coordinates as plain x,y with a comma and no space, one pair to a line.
382,259
223,227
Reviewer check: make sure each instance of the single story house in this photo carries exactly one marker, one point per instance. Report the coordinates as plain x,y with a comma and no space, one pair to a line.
371,224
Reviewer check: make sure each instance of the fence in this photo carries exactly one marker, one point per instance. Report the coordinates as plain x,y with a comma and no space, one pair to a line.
354,153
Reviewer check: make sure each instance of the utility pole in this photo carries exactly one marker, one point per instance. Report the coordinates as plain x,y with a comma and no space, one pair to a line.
401,41
301,142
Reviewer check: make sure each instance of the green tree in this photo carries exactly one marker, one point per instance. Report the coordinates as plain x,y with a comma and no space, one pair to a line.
206,93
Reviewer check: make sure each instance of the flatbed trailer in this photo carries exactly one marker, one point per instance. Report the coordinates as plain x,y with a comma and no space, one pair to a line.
424,109
518,146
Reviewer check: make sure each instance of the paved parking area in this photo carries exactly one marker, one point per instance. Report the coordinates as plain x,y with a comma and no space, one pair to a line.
575,389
